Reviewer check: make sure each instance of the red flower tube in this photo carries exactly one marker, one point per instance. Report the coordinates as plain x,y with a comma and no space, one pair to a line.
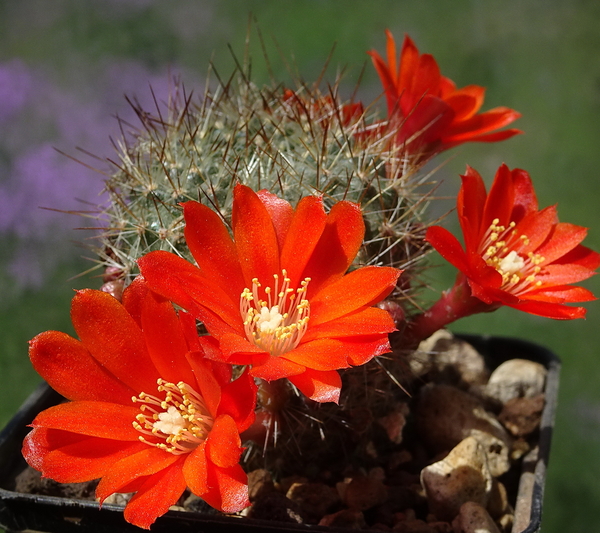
276,296
428,111
148,413
514,254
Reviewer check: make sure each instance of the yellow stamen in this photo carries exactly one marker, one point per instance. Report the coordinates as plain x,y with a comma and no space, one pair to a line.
278,323
180,422
500,249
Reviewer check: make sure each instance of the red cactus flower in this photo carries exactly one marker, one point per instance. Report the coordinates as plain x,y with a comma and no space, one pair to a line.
514,254
277,295
428,111
324,109
148,413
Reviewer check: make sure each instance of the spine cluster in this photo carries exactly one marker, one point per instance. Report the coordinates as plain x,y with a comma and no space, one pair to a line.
292,143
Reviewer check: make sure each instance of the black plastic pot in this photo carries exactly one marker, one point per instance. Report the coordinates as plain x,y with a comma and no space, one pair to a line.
19,511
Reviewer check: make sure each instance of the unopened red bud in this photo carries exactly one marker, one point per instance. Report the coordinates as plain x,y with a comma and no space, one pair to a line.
114,288
394,309
112,273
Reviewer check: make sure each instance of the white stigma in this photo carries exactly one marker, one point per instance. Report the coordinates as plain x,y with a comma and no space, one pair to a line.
176,424
170,422
269,319
512,263
277,319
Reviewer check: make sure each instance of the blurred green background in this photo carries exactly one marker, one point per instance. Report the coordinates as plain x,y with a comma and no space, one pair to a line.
66,65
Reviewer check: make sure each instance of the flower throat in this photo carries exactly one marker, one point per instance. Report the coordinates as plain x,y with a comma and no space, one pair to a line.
177,424
518,270
277,322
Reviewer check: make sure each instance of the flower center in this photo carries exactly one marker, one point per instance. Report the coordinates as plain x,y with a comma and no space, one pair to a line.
499,250
277,322
177,424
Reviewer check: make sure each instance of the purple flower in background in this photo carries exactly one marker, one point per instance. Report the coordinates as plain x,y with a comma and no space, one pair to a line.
15,88
39,117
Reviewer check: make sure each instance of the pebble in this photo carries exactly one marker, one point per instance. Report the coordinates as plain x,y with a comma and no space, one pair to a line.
521,416
462,476
446,415
498,505
516,378
316,499
496,450
260,482
275,506
473,518
446,359
347,519
394,422
363,493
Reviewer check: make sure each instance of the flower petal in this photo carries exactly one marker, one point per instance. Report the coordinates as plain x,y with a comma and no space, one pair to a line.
133,297
561,294
536,227
481,123
113,338
425,121
95,419
491,295
389,86
360,288
195,470
146,462
238,350
470,204
340,242
304,233
447,246
391,55
500,200
223,444
281,213
334,354
58,357
550,310
189,327
466,101
557,274
409,62
165,339
88,458
155,496
564,238
238,400
424,83
255,237
367,321
319,386
276,368
181,282
320,354
207,385
525,197
40,440
228,489
213,249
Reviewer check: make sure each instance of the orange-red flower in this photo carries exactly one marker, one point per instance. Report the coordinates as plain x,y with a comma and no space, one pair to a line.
514,254
324,109
428,111
276,296
148,413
